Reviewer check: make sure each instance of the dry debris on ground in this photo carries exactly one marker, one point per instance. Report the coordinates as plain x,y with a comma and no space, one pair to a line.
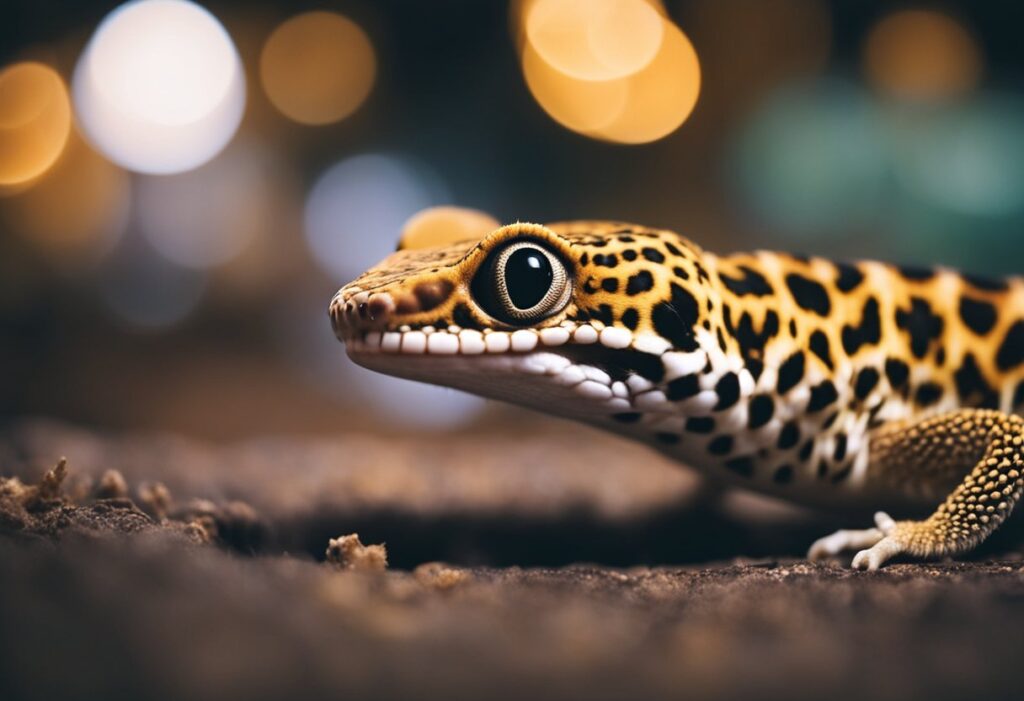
124,587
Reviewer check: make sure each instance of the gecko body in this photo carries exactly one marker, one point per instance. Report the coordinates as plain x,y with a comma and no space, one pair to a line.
823,383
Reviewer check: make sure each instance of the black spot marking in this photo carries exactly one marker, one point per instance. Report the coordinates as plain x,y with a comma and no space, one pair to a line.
830,420
820,347
752,342
627,417
610,284
622,363
822,394
783,475
789,436
700,424
680,273
669,438
755,367
972,387
805,450
744,467
629,254
604,314
752,282
792,328
849,277
609,260
682,387
986,283
842,474
584,259
720,445
1011,350
977,314
762,407
928,393
630,318
867,379
809,294
721,341
672,249
921,324
791,372
868,332
675,320
940,357
840,451
822,469
463,317
897,372
873,413
917,274
640,282
627,239
653,255
728,390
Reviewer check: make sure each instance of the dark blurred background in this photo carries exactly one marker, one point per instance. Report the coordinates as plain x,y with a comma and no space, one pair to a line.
169,241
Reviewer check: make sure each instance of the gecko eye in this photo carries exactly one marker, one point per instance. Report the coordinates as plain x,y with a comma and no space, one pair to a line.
522,283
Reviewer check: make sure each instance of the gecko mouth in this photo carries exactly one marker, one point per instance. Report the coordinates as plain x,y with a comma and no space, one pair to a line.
583,369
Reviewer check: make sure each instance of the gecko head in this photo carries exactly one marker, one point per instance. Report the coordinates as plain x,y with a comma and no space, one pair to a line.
578,318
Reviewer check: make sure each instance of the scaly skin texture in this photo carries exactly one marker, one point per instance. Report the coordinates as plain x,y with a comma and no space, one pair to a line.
821,382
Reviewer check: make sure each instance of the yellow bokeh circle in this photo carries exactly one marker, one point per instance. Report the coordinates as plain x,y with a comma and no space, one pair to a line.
641,106
440,226
318,67
921,54
35,119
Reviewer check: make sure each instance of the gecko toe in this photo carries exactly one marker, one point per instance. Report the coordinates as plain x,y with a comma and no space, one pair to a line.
832,545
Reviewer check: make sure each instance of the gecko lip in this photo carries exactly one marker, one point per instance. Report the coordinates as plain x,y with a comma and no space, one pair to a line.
616,370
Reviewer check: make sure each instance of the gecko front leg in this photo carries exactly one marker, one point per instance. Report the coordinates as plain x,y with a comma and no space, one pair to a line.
985,444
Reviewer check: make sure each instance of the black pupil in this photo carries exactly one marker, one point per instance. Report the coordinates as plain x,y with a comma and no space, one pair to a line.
528,277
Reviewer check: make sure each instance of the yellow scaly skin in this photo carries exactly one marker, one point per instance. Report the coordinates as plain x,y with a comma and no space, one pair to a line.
823,383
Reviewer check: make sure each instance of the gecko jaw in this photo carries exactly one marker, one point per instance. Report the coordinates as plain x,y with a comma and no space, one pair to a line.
584,370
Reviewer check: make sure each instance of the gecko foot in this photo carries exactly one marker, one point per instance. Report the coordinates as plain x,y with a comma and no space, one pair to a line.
879,547
888,547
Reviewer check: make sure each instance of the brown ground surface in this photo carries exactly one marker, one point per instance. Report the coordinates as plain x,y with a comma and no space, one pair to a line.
199,572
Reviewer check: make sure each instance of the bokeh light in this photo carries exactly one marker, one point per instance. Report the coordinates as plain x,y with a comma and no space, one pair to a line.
77,211
35,119
594,39
144,291
318,67
580,105
160,87
968,159
640,86
357,208
661,96
811,162
440,226
209,215
748,47
922,55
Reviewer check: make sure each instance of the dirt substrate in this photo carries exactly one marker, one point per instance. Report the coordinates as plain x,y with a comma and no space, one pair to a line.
211,573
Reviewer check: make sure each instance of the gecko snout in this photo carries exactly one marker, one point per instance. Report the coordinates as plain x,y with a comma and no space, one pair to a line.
355,311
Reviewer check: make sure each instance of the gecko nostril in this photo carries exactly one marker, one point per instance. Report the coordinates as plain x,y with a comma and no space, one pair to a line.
363,307
380,306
